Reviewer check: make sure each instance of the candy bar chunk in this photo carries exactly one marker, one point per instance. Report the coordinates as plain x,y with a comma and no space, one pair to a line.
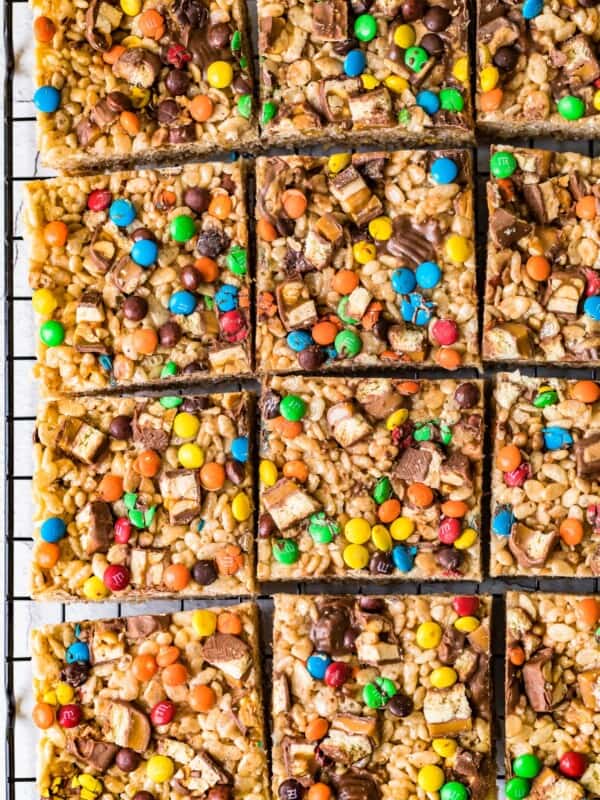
354,196
182,492
447,711
589,688
118,725
531,547
587,456
229,653
330,21
148,497
81,440
347,425
288,504
565,289
549,785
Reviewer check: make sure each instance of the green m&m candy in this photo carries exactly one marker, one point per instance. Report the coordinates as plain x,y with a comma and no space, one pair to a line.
292,408
237,260
171,401
365,27
527,765
376,694
130,499
244,105
546,397
182,228
52,333
269,110
341,312
415,58
424,433
502,164
445,433
517,788
571,107
169,369
382,490
451,100
236,41
322,529
454,790
348,344
285,551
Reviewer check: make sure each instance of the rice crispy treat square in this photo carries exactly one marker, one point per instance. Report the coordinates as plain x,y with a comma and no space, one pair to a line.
139,277
552,673
141,81
372,479
160,707
538,69
546,477
382,698
366,260
138,498
542,298
394,71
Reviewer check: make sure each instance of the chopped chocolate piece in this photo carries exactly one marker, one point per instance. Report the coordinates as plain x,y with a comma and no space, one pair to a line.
506,229
95,521
347,425
298,757
288,504
413,242
141,627
542,693
451,646
456,470
90,308
229,653
413,465
354,196
564,292
150,431
128,726
549,785
330,21
99,755
581,65
296,308
530,547
81,440
182,494
356,786
328,632
372,109
378,397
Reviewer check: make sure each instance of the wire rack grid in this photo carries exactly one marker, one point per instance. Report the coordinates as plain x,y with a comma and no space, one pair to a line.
20,164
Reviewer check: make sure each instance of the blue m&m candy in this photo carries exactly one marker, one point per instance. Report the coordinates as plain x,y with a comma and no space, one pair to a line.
121,212
183,303
239,448
444,170
299,340
532,8
78,651
46,99
144,252
591,306
556,438
403,557
355,63
317,665
53,529
416,309
226,297
403,280
428,101
503,521
428,275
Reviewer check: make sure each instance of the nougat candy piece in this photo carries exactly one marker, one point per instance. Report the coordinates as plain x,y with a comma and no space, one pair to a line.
447,711
288,504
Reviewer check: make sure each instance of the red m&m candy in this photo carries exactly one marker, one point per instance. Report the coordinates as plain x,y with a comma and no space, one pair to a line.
163,712
99,200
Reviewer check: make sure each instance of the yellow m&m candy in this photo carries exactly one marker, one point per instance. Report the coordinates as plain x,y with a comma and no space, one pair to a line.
219,74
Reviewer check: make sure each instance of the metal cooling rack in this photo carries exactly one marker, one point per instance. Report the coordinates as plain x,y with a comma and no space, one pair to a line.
20,397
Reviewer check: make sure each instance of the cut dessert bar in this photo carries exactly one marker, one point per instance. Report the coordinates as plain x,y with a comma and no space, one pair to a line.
371,479
139,277
393,71
552,696
382,698
538,68
546,477
542,302
141,81
151,707
143,497
365,260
